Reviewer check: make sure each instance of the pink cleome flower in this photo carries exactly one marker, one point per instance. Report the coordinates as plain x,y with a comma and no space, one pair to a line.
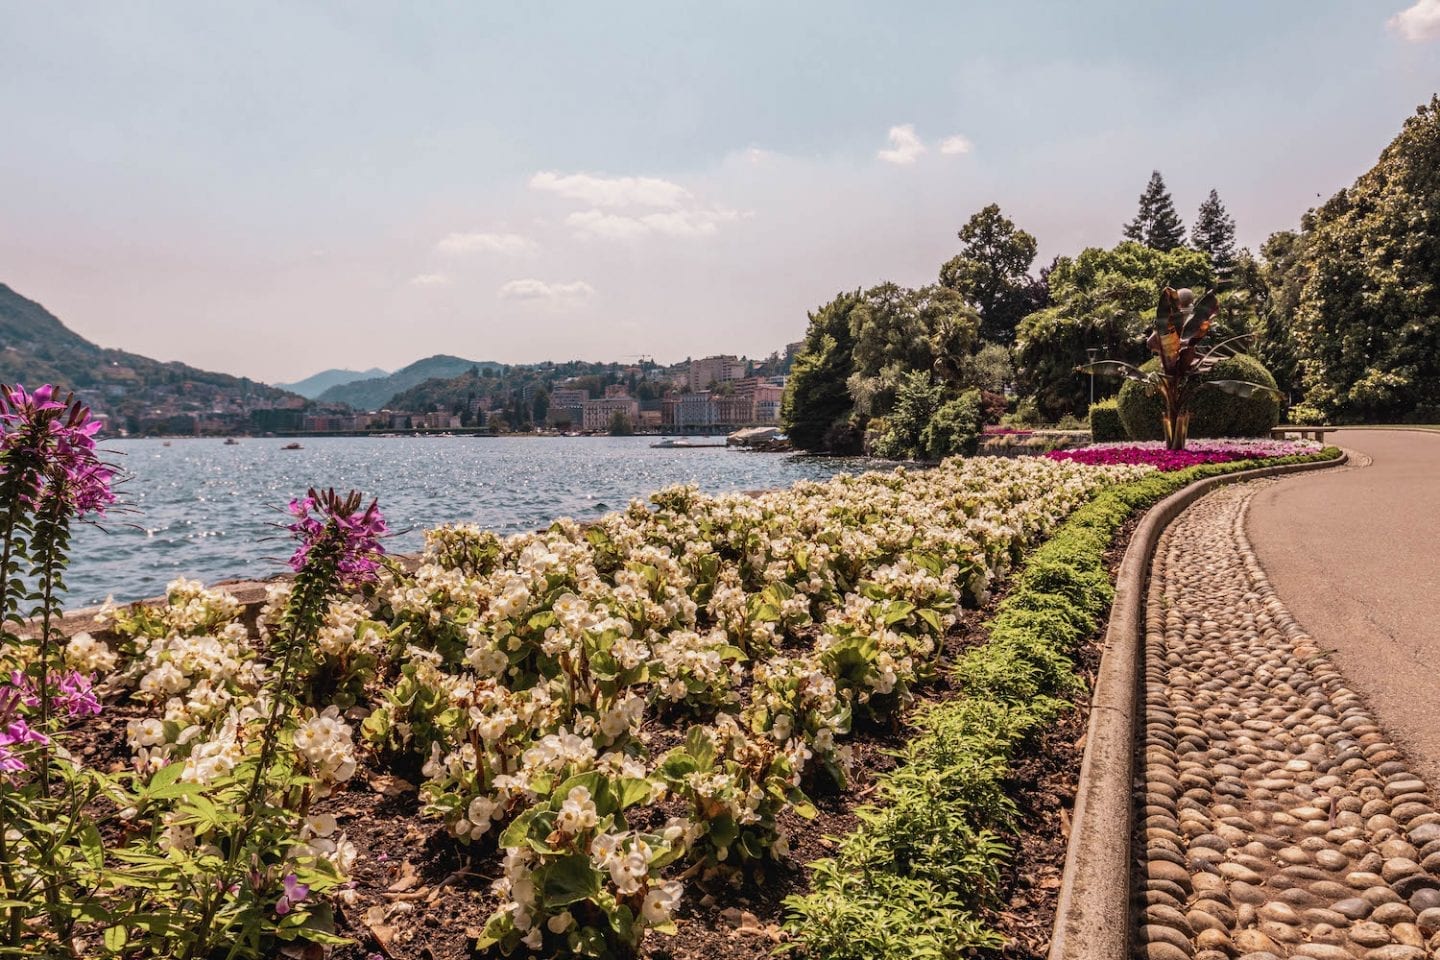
329,526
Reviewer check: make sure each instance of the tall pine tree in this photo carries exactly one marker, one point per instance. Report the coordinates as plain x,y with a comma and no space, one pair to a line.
1156,224
1214,232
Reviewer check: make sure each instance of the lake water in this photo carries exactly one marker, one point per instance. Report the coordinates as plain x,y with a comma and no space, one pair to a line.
207,510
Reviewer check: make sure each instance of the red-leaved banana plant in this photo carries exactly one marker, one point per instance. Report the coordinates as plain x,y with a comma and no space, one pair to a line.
1181,322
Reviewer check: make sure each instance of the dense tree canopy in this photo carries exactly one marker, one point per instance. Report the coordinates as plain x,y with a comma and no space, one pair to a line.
817,403
1156,223
1367,321
992,273
1099,299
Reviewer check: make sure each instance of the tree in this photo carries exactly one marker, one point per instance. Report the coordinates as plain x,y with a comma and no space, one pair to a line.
540,406
1156,223
1367,324
1101,300
620,425
1214,232
816,399
992,272
896,330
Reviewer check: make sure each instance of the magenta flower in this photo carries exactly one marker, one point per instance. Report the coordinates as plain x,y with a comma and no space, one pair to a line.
335,530
49,448
15,731
295,892
1153,452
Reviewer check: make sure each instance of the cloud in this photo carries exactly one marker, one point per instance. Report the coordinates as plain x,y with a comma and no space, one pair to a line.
957,144
538,291
697,222
612,191
510,244
1418,23
905,145
429,280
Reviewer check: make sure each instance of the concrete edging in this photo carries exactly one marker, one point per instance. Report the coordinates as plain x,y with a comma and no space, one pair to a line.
1092,917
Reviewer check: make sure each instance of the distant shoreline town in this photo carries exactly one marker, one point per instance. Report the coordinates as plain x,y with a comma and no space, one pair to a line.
711,395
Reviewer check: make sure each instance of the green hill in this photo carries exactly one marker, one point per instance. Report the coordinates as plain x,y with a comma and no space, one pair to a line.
316,384
135,392
375,393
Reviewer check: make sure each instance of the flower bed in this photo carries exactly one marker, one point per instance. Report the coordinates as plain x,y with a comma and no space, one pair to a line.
599,719
1153,453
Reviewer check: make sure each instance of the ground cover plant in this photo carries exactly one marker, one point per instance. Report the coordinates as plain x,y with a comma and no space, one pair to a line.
599,722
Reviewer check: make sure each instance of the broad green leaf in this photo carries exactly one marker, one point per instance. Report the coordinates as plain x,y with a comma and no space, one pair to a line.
568,880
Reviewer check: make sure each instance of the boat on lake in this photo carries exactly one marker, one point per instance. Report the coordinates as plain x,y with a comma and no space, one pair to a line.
292,446
686,443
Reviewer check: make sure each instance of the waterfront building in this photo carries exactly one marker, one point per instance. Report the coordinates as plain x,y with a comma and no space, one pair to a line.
596,415
714,370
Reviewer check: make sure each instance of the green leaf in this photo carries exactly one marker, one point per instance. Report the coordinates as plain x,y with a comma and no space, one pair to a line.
1243,388
568,880
91,846
115,938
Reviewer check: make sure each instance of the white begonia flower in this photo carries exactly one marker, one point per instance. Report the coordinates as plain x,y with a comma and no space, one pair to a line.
577,812
660,902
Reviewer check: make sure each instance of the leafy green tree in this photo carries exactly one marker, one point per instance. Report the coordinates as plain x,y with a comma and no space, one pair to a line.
1102,300
816,398
1214,232
620,425
899,434
1156,223
989,369
540,405
955,427
992,272
896,330
1367,324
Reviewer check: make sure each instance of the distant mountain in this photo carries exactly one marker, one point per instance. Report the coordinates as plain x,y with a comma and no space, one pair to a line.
375,393
136,392
312,387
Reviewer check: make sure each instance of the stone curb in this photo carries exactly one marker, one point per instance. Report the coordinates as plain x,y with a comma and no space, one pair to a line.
1092,917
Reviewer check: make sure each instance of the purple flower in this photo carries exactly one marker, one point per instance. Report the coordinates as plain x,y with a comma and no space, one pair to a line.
335,530
1153,453
295,892
49,447
74,695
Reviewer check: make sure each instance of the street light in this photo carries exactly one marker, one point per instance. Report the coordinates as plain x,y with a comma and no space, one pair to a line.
1092,353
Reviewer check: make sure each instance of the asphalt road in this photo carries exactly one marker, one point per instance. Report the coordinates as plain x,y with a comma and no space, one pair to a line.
1354,553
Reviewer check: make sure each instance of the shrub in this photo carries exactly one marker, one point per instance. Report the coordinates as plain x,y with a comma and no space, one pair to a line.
1213,414
994,406
1105,423
955,427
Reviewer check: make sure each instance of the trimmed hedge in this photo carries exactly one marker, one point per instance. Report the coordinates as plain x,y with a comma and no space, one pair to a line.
914,880
1213,414
1105,423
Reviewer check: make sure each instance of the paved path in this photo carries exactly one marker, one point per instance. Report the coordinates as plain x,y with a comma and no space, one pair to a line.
1277,820
1355,553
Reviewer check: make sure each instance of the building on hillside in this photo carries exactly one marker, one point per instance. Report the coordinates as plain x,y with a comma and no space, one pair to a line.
617,390
567,406
434,421
596,415
689,411
712,370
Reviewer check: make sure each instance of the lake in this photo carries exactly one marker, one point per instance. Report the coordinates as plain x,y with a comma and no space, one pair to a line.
207,510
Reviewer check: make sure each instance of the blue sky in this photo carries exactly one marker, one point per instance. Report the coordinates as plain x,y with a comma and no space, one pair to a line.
270,189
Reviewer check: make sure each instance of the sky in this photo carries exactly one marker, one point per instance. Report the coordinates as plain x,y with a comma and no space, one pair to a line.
272,189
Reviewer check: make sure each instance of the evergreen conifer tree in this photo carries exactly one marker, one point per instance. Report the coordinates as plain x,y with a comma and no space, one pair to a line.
1214,232
1156,223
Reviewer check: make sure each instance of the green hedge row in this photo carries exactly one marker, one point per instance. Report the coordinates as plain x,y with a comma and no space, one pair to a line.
915,879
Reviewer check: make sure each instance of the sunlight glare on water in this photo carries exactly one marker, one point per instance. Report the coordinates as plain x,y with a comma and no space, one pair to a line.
203,509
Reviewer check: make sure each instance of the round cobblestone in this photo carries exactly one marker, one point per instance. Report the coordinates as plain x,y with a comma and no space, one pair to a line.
1277,818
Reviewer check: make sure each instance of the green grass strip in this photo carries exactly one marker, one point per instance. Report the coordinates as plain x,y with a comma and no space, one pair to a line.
916,877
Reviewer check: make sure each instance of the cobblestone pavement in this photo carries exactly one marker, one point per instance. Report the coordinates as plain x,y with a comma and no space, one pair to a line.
1276,819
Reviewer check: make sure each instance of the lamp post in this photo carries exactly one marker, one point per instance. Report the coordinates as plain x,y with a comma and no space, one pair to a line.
1092,353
